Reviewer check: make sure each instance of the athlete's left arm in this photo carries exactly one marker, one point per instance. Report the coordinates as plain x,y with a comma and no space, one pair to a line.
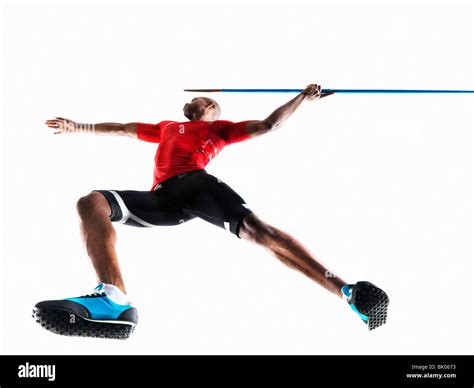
280,115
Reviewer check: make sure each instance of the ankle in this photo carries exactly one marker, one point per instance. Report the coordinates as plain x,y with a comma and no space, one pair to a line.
115,294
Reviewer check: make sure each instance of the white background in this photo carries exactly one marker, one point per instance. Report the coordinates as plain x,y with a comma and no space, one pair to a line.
378,187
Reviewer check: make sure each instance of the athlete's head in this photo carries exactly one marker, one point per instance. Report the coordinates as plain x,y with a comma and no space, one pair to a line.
202,109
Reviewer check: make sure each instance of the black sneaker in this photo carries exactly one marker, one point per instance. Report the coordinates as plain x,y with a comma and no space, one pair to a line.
95,315
368,301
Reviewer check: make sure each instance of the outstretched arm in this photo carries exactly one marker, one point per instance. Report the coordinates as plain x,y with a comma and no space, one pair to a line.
62,125
279,116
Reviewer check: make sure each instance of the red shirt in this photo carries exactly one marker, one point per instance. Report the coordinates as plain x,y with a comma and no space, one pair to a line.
189,145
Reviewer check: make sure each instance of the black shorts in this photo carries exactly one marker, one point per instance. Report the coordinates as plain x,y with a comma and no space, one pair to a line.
177,200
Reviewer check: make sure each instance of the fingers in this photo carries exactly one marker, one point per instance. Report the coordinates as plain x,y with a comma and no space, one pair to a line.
59,119
57,122
52,123
313,91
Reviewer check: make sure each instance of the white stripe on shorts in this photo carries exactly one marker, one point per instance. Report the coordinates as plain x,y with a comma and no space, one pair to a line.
126,214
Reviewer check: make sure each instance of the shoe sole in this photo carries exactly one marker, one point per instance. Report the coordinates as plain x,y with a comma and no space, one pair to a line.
372,302
68,323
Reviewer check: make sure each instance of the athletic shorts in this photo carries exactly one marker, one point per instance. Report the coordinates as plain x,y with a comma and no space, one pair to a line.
177,200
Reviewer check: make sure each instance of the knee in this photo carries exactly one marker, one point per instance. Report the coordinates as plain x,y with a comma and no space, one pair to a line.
90,204
254,229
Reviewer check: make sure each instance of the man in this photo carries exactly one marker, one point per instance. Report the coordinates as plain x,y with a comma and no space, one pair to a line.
182,190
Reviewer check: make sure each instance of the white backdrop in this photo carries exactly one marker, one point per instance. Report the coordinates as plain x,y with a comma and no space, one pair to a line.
379,187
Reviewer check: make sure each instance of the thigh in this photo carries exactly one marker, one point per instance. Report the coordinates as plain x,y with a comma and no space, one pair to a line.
211,199
144,208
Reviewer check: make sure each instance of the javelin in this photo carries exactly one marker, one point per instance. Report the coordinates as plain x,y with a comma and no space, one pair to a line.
324,91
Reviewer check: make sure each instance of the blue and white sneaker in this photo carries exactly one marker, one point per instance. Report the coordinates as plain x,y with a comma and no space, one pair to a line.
368,301
107,313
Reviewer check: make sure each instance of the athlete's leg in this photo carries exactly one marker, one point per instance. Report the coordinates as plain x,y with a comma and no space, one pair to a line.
207,197
290,251
214,201
100,237
108,311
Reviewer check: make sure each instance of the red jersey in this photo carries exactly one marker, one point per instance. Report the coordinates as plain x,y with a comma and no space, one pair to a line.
189,145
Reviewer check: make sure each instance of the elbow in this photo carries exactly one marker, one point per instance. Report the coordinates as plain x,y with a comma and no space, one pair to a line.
267,126
129,129
260,127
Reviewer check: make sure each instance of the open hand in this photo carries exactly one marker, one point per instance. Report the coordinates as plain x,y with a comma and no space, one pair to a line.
61,125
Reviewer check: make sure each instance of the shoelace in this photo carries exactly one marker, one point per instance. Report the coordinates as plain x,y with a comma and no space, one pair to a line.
96,294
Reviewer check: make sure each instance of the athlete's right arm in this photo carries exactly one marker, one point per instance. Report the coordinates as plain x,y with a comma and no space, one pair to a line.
62,125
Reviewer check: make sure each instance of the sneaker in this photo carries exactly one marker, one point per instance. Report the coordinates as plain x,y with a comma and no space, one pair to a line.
368,301
107,313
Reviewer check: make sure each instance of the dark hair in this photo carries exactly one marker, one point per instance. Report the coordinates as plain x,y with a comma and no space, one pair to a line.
213,102
189,117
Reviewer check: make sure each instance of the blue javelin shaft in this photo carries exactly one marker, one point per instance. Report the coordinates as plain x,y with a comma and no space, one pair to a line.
347,91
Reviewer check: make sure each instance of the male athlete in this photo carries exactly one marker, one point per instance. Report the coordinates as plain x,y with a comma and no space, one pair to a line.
182,190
